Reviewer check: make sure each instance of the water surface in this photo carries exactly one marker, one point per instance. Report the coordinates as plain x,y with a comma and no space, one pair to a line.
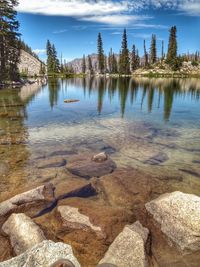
149,124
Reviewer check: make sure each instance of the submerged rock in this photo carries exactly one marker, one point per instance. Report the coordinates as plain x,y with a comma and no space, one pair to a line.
85,167
43,255
28,202
100,157
51,163
71,100
178,215
157,159
23,232
72,218
4,168
128,249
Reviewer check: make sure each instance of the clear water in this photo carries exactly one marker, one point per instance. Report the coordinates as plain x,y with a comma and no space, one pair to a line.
150,124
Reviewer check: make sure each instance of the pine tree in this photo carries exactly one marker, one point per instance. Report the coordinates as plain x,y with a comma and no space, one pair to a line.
124,61
53,64
83,65
162,53
56,63
146,59
101,60
110,61
9,44
134,59
153,50
172,47
90,68
115,64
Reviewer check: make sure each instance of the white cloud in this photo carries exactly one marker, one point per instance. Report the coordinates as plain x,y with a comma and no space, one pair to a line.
110,12
192,9
72,7
39,51
60,31
120,19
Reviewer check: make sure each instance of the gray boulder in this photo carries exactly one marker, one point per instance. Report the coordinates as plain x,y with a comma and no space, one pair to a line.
43,255
128,249
23,232
28,202
178,215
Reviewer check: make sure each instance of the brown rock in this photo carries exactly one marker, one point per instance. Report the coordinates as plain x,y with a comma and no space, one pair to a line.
83,166
100,157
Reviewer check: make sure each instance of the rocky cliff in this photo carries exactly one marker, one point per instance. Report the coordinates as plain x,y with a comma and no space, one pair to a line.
76,64
29,65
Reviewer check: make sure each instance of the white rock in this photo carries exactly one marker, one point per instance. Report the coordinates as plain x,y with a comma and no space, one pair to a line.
76,220
43,255
128,249
23,232
179,217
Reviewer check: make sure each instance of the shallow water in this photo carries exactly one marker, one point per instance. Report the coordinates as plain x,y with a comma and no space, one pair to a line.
149,124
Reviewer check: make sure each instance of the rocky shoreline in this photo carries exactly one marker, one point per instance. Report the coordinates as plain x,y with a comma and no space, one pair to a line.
22,82
69,225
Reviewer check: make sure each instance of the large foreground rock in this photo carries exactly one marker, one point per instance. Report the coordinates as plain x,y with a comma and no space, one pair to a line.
128,249
28,202
179,217
72,218
43,255
23,232
88,166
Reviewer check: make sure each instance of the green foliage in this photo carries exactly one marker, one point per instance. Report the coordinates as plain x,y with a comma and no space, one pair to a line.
112,62
176,63
9,45
83,65
100,52
124,61
172,49
195,63
135,59
90,68
153,50
53,65
146,58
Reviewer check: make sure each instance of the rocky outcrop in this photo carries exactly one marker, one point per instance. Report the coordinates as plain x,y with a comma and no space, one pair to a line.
72,218
43,255
28,64
128,249
23,232
28,202
84,166
178,215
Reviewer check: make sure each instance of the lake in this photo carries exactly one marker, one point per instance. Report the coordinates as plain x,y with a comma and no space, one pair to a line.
150,125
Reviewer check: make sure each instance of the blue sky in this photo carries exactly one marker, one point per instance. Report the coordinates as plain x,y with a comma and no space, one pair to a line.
73,25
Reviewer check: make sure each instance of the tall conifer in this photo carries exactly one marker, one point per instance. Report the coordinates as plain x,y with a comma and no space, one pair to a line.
101,59
124,61
9,44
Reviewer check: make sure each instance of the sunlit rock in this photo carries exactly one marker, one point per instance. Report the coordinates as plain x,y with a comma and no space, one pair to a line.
28,202
178,215
74,219
43,255
23,232
128,249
